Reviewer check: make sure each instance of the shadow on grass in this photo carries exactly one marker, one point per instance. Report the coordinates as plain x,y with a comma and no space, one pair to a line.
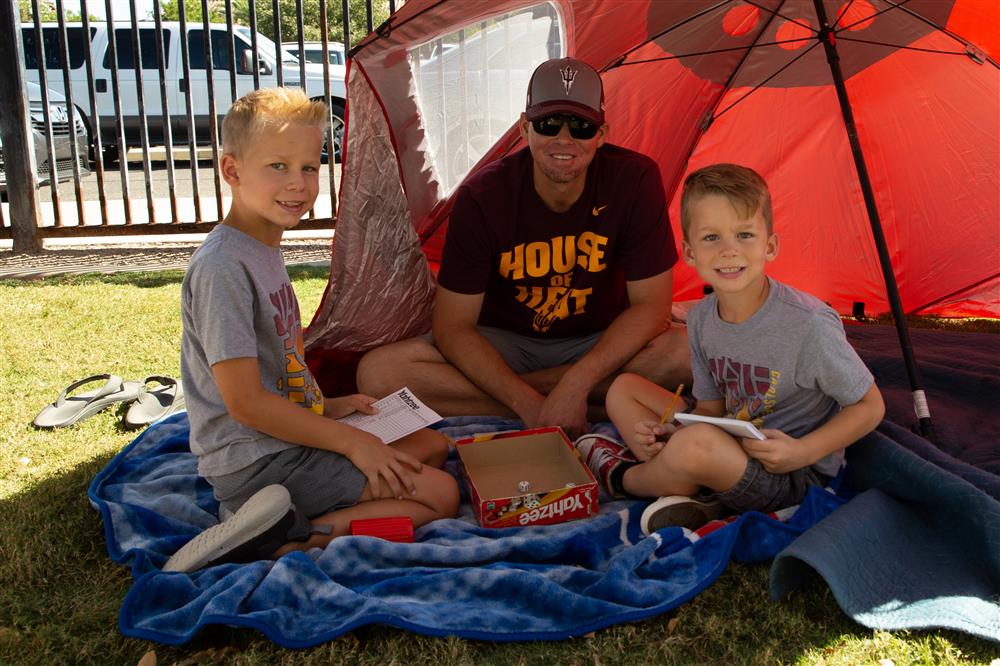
145,279
59,590
141,279
309,272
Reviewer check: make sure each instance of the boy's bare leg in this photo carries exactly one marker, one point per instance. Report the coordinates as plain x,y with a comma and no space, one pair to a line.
696,456
632,399
436,497
428,446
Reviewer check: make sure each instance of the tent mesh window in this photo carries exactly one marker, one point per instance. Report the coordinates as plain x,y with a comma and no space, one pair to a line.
471,83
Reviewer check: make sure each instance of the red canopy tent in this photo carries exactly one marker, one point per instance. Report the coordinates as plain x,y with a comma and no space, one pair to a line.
688,82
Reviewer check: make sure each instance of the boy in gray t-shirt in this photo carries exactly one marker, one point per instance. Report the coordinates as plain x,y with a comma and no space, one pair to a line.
266,438
762,352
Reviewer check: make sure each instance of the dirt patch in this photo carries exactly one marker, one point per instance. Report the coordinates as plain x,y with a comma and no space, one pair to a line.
139,257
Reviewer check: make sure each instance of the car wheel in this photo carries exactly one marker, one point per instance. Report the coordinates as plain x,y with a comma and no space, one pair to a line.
92,150
109,155
336,131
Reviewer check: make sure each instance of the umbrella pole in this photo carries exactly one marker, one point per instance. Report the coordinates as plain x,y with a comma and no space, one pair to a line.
924,425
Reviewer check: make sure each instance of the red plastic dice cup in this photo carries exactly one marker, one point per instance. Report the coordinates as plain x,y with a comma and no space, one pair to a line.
397,528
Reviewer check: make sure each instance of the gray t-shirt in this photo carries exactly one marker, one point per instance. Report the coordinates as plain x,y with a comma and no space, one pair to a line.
788,367
237,302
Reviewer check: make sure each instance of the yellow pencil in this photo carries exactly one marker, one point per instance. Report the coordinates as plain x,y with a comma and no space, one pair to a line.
668,413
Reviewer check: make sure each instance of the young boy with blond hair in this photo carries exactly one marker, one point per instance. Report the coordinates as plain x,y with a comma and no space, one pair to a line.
266,438
762,352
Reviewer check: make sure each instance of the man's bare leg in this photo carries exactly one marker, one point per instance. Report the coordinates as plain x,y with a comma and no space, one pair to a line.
418,364
665,360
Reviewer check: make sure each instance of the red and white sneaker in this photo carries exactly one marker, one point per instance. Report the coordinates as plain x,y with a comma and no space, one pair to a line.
603,454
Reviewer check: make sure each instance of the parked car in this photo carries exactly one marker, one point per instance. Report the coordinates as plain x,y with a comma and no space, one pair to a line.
62,138
312,52
178,86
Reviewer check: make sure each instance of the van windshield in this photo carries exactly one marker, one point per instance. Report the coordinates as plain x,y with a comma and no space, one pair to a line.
265,45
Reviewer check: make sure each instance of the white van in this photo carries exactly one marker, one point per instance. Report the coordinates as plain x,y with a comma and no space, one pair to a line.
177,84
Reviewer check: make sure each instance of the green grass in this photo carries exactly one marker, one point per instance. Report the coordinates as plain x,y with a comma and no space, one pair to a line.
60,593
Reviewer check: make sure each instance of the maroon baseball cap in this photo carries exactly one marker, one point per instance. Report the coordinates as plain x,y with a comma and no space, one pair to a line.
565,85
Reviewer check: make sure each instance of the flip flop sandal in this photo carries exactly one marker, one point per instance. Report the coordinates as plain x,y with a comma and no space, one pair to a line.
70,409
156,403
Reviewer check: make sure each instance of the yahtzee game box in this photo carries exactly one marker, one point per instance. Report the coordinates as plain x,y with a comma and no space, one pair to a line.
528,477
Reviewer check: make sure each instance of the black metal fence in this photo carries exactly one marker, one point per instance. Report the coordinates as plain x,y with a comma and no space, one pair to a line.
104,96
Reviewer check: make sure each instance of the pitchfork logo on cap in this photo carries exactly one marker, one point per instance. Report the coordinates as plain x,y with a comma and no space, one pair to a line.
568,76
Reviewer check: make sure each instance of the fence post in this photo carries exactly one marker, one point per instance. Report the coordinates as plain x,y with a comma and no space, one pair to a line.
15,132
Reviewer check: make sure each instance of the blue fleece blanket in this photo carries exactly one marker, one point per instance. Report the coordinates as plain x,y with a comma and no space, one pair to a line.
529,583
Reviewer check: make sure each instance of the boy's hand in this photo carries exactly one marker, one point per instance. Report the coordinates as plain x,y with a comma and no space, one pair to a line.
381,463
779,453
336,408
652,435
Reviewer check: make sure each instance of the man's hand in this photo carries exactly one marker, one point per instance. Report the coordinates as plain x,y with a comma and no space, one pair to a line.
379,463
336,408
565,407
651,437
779,453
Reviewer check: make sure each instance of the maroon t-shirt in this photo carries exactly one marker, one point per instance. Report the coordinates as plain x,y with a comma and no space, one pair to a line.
550,274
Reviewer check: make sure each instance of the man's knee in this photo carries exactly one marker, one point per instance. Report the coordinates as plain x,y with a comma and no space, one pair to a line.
665,360
385,369
672,344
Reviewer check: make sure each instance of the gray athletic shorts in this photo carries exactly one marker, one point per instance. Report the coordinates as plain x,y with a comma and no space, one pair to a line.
524,353
759,490
319,481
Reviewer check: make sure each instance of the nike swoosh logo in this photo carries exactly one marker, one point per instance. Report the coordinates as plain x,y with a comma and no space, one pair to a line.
597,210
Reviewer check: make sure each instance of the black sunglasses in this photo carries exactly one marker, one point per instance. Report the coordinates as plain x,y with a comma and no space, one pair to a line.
578,127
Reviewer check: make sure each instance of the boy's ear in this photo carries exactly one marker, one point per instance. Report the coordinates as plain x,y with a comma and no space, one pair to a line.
772,248
230,169
687,253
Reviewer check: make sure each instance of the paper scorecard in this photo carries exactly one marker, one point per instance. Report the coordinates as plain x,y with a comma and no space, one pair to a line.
398,415
734,427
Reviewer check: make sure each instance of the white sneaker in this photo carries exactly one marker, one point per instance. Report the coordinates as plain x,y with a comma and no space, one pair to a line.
679,511
224,513
263,524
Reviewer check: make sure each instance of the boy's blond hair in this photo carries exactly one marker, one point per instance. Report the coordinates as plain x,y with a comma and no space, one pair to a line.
744,187
268,107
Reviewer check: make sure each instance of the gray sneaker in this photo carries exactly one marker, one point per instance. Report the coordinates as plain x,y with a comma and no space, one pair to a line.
679,511
265,522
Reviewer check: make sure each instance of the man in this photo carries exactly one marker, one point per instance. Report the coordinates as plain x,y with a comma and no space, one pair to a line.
556,273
